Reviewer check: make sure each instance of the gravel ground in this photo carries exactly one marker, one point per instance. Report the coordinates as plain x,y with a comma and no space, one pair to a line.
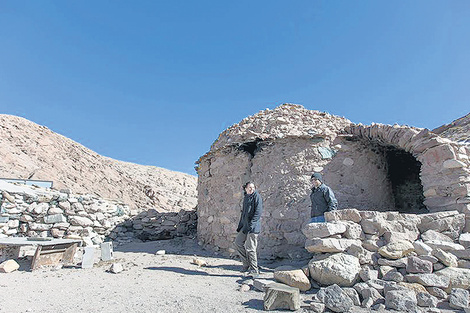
150,283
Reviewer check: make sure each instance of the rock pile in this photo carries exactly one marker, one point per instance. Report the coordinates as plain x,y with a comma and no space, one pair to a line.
387,260
37,212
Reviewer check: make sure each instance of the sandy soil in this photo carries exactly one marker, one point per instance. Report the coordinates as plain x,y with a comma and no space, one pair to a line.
149,283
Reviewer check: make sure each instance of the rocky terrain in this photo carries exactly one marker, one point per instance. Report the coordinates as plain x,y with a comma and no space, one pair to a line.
458,130
31,151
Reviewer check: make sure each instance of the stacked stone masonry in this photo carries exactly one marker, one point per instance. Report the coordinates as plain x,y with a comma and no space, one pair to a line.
36,212
279,149
400,261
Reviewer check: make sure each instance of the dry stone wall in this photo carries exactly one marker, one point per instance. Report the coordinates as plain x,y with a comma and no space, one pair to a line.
445,169
279,149
36,212
379,253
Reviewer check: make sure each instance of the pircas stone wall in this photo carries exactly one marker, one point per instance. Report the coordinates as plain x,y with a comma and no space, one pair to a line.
279,149
38,212
425,256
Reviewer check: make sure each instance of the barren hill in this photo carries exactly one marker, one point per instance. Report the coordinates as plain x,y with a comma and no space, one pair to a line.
458,130
31,151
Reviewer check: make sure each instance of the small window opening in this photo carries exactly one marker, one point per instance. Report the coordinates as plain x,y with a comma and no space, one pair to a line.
251,147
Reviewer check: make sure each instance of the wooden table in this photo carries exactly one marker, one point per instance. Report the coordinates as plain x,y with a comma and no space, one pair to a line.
48,252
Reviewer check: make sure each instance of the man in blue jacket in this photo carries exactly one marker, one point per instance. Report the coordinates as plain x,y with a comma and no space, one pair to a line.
323,199
248,229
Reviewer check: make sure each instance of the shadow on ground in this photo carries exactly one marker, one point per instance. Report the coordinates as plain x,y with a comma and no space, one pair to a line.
184,271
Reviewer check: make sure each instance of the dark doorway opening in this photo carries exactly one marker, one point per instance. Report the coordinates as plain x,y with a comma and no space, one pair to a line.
403,172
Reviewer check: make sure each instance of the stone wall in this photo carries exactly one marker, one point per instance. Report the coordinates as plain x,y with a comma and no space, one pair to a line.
37,212
279,149
426,255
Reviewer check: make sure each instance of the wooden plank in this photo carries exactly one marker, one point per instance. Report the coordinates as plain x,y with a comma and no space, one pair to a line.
54,255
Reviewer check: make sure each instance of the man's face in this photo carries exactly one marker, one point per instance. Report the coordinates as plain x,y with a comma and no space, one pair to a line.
250,188
315,182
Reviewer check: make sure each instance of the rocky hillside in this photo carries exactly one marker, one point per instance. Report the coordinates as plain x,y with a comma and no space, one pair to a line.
31,151
458,130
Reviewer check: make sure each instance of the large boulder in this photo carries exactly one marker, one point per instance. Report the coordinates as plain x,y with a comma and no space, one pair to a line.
341,269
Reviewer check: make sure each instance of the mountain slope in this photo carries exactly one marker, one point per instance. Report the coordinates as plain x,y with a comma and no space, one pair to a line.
31,151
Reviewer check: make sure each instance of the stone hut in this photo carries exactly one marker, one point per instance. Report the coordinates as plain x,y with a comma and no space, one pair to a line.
377,167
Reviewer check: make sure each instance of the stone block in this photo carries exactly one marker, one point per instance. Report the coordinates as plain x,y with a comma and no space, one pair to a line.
444,245
116,268
396,250
417,265
394,263
434,235
421,248
88,259
280,296
335,299
458,298
459,277
464,240
437,292
294,278
56,218
401,300
341,269
424,299
353,215
322,230
107,251
260,284
448,259
9,266
329,245
429,280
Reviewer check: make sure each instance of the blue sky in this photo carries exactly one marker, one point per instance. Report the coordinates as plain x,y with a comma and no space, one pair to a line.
155,82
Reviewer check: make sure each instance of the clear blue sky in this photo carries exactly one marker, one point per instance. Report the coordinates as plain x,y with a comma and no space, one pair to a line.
155,82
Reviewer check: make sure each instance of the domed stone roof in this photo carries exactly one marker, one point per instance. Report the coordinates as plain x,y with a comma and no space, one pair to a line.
287,120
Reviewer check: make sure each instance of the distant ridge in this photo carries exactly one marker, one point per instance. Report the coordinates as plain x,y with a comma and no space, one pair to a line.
32,151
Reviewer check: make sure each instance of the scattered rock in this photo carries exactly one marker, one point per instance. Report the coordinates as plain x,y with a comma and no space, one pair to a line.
199,262
116,268
294,278
280,296
9,266
244,288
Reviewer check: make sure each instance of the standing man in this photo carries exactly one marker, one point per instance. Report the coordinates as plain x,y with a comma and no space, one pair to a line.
322,197
248,229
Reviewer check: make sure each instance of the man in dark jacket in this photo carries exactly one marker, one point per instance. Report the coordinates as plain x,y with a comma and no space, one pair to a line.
322,197
248,229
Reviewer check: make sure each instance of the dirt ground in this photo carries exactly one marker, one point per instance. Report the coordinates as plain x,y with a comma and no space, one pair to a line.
150,283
